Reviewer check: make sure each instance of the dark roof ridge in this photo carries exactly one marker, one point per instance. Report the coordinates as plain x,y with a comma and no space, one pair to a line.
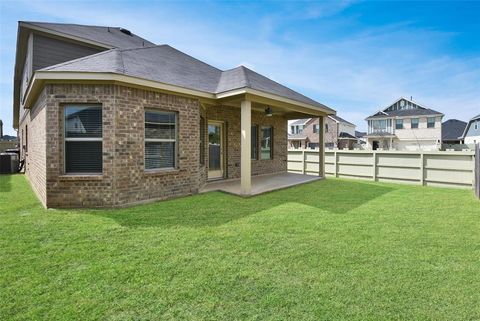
140,47
253,71
97,37
244,71
69,24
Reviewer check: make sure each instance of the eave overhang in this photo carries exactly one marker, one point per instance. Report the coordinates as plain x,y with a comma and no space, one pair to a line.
40,78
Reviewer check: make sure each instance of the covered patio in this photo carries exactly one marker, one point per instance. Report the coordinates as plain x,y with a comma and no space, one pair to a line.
259,184
244,166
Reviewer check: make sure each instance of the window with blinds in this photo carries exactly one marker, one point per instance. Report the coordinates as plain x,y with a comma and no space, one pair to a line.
83,139
160,140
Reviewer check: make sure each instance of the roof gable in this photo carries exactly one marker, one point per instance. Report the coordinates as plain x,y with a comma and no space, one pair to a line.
403,104
468,127
404,107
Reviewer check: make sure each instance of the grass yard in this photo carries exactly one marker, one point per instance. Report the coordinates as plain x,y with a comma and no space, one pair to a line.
329,250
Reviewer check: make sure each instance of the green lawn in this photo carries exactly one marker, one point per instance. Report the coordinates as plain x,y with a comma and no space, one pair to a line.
329,250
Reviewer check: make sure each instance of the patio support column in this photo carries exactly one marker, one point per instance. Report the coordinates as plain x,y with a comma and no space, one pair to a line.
321,146
245,147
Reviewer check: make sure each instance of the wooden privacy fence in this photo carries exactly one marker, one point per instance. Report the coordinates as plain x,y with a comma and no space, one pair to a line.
5,144
436,168
477,170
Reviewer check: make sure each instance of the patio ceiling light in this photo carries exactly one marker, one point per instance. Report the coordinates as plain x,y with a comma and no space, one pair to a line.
268,111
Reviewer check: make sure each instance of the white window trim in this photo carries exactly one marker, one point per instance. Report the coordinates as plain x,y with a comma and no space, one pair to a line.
79,139
160,140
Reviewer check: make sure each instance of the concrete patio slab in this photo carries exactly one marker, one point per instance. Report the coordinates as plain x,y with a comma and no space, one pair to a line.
260,184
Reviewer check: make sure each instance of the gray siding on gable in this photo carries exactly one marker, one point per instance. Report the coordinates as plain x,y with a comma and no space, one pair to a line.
471,128
49,51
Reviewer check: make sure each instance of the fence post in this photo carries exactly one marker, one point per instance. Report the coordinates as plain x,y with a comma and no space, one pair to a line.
422,168
374,176
335,160
303,161
477,170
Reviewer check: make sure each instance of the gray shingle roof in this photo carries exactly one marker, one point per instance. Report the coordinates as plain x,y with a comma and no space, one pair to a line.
168,65
346,135
406,112
360,134
452,129
242,77
110,36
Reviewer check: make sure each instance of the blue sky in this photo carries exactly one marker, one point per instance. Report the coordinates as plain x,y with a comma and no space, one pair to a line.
353,56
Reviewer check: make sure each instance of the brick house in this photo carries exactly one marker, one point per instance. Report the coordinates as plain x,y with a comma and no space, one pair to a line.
338,133
107,118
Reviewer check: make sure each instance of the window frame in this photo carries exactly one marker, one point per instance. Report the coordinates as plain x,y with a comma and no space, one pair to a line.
80,139
256,157
399,124
428,123
271,142
416,123
160,140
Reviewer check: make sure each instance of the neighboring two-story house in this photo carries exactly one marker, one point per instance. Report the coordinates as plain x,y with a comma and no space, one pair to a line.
405,125
339,133
471,134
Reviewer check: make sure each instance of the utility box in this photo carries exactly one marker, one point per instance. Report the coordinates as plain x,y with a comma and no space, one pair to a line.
9,163
5,163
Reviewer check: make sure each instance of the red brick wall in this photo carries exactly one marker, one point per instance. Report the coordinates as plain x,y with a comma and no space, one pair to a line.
231,118
35,120
124,180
